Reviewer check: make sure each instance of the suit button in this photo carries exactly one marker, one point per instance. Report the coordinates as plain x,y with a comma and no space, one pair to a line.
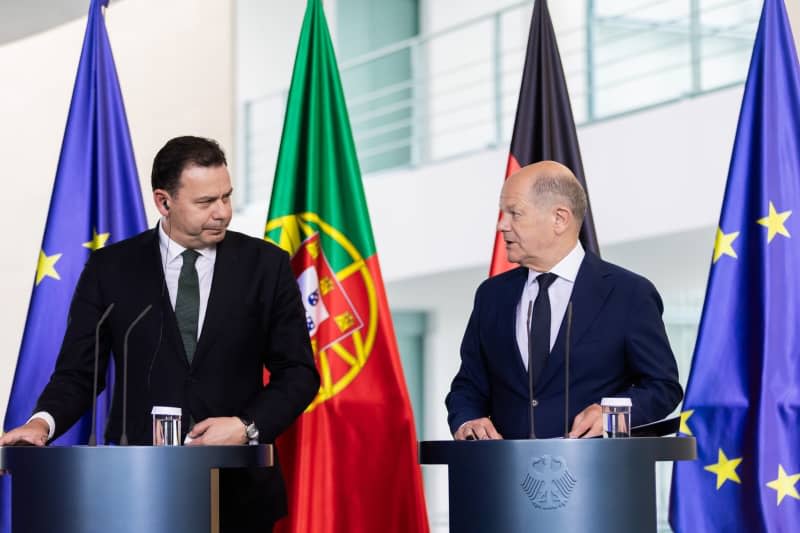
534,403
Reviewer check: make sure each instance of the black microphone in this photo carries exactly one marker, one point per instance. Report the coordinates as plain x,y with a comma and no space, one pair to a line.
93,435
568,340
123,440
530,372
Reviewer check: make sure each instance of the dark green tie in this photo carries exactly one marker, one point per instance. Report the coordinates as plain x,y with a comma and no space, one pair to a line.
187,303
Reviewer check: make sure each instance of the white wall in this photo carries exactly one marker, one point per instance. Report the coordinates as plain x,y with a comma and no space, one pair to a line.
265,42
460,66
266,39
174,61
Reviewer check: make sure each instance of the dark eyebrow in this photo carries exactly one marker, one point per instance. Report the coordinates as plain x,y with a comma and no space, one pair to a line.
203,199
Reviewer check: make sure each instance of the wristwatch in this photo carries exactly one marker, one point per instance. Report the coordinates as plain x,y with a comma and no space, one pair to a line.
250,431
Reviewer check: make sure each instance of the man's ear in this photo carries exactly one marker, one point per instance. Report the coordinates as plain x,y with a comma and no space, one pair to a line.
563,219
162,199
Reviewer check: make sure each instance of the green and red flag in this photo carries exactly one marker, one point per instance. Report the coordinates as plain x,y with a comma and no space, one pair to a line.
350,460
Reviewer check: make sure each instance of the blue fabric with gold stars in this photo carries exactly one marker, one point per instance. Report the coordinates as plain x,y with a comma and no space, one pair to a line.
96,200
743,397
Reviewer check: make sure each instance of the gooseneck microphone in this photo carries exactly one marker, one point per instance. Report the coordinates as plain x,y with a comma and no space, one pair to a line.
530,371
123,440
568,343
93,435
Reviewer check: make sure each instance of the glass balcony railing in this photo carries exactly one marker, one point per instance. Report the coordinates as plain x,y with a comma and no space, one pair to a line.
455,91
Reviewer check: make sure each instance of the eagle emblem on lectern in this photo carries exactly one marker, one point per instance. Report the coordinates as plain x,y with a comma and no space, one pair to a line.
548,482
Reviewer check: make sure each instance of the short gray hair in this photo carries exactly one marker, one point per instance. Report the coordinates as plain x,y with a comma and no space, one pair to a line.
562,186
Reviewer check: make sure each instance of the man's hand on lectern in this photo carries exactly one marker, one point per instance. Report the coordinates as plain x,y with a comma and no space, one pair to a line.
218,431
34,432
588,423
478,429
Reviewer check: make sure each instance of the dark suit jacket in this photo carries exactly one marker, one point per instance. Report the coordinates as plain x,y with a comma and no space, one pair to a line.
254,318
619,348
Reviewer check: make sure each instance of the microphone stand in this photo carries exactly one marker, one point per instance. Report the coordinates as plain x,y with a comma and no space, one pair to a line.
532,434
93,434
123,440
567,346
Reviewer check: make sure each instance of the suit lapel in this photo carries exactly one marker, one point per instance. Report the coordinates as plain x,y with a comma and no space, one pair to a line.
592,288
507,326
220,299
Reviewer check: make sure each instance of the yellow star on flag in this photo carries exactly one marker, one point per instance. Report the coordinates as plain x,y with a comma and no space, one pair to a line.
723,244
774,222
685,416
46,266
725,469
785,485
98,240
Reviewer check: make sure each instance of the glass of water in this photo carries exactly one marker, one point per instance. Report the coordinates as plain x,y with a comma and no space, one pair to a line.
166,426
616,417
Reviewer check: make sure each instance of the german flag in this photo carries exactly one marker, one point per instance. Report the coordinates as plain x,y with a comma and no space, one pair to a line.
544,128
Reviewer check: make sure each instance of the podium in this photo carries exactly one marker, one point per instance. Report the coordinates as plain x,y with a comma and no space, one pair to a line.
82,489
564,485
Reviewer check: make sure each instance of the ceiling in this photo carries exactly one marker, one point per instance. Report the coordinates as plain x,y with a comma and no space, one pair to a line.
21,18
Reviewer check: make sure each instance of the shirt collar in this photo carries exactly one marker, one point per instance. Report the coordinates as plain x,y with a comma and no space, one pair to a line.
567,268
171,249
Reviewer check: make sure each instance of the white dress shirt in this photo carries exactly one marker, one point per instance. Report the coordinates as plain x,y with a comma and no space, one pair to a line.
560,292
172,261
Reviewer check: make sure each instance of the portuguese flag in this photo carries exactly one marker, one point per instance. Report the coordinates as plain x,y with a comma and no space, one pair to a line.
544,128
350,460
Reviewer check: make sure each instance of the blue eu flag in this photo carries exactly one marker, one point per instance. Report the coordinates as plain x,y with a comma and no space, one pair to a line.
743,397
96,200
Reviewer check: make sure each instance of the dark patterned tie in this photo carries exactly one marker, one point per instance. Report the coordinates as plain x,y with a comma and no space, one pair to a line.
187,303
539,346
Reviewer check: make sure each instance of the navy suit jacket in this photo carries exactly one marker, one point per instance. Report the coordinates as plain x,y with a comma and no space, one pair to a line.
619,348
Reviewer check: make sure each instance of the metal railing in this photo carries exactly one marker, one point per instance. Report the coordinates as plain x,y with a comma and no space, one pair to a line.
455,91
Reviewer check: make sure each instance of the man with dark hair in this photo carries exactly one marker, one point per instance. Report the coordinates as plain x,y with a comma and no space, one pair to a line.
226,306
515,340
182,152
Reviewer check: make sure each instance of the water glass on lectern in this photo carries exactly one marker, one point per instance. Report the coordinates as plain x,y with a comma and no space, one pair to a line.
616,417
166,426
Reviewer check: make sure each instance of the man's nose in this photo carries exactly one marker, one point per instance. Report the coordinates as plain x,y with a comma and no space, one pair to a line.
222,210
502,222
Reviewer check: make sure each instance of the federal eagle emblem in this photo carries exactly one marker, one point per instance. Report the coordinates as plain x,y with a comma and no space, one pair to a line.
548,482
